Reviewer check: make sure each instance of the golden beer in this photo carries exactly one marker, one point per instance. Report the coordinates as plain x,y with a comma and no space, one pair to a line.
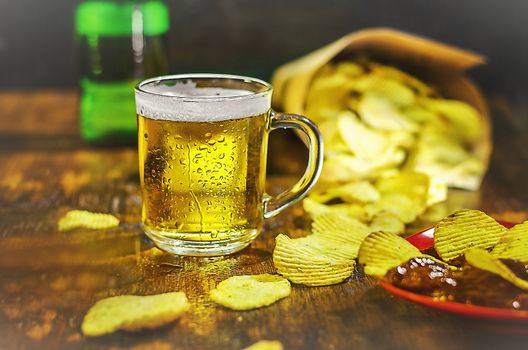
202,142
202,181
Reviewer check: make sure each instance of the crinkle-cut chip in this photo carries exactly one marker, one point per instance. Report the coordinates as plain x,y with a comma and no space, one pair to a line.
325,245
361,140
483,260
387,222
419,114
400,205
381,251
340,229
131,312
312,261
381,114
265,345
393,73
464,117
514,244
250,291
85,219
357,191
465,229
411,184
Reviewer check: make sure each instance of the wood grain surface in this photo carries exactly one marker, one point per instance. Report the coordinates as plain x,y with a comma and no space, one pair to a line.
49,279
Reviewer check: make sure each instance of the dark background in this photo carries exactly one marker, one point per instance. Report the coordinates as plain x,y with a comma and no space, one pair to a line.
37,41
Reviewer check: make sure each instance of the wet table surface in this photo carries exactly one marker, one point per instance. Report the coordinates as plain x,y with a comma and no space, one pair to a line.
49,279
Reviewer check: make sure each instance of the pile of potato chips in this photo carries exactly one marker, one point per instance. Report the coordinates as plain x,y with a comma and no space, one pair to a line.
481,240
392,144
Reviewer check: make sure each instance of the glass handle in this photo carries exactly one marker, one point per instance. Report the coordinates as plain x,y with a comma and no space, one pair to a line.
274,205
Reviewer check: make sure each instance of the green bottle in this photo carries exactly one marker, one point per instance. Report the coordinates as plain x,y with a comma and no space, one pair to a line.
120,43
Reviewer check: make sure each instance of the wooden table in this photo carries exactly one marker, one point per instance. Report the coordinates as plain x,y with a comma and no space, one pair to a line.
49,279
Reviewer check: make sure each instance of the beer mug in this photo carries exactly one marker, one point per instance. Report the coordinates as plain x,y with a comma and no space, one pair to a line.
202,141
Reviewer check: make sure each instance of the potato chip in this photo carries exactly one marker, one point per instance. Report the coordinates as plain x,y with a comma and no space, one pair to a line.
250,291
342,168
361,140
419,114
440,148
340,229
437,192
332,138
467,174
378,122
401,138
381,251
387,222
265,345
85,219
131,312
357,191
399,75
380,113
339,169
312,261
514,244
404,208
483,260
326,91
411,184
464,117
349,69
465,229
315,208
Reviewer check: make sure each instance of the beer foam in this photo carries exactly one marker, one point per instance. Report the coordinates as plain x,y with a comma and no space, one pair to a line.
185,101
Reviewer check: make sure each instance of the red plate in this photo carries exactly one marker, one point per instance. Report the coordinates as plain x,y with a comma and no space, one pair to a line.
423,240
